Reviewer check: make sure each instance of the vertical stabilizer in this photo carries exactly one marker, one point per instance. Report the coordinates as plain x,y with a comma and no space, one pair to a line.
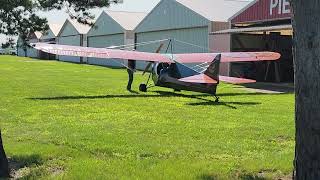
213,70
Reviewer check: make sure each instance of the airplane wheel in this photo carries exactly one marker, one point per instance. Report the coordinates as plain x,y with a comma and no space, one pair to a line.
143,88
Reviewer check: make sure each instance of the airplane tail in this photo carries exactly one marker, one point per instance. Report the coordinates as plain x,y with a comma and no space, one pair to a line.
213,70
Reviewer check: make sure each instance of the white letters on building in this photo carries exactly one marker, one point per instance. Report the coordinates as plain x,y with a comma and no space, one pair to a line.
273,4
286,7
282,5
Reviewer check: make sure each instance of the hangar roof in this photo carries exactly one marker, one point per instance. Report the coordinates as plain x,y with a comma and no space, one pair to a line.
81,28
179,14
215,10
128,20
73,27
53,31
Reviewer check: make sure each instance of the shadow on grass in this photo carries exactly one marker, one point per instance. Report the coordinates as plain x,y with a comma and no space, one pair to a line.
205,102
207,177
250,177
286,88
226,104
18,162
137,95
240,177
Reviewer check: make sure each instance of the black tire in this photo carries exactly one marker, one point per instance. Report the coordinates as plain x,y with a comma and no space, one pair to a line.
143,88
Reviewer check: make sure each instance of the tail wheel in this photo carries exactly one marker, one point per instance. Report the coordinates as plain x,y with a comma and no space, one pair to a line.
217,99
143,88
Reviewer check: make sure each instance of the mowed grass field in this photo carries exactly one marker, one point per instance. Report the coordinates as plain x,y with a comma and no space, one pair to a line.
71,121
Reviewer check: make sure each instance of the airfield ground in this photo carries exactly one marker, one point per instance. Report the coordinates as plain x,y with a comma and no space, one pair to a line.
78,122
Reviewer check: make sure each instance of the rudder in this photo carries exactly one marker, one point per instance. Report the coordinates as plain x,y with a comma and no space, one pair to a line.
214,68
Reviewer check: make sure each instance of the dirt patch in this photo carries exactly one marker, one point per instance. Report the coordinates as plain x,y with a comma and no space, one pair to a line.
32,167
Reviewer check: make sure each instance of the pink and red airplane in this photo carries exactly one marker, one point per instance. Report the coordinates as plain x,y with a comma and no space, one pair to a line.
169,70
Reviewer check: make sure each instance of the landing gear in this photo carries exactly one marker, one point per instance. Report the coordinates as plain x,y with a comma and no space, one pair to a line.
143,88
217,99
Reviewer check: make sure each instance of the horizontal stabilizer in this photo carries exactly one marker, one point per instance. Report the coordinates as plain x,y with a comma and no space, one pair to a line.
234,80
200,78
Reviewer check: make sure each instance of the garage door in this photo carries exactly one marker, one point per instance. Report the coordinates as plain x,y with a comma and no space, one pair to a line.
33,53
196,36
70,40
102,42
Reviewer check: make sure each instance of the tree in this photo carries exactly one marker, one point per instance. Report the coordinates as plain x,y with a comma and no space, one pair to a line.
4,169
306,45
9,44
19,17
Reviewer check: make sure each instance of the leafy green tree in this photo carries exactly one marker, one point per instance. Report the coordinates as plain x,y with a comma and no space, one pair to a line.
19,18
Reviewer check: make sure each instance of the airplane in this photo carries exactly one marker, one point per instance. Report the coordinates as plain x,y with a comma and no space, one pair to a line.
169,70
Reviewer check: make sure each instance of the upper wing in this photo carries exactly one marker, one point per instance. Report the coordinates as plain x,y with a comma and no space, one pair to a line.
154,57
65,50
227,57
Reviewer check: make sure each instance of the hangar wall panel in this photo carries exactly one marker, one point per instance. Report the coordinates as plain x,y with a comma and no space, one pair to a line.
220,43
196,36
105,41
31,52
20,52
70,40
170,14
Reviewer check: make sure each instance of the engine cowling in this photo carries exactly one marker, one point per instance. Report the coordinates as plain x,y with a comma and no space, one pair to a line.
156,70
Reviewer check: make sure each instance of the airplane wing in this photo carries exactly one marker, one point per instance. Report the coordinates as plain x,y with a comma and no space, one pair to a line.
227,57
66,50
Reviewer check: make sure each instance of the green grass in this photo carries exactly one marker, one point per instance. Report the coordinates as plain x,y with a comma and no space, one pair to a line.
71,121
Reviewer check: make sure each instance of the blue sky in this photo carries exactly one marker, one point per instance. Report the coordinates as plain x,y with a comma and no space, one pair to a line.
128,5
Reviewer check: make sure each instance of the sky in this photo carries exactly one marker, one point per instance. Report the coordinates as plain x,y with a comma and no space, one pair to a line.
128,5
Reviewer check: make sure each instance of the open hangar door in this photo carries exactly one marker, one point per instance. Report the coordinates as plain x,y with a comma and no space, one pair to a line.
275,40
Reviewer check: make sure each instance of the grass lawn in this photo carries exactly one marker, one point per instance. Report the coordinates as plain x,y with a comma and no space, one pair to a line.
70,121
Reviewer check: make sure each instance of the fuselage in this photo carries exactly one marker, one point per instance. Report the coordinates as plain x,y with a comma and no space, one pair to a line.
167,75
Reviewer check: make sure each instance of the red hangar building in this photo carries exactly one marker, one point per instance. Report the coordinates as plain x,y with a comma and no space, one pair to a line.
263,25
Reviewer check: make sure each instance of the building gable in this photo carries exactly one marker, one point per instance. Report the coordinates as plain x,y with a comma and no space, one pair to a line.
48,35
169,14
68,29
105,25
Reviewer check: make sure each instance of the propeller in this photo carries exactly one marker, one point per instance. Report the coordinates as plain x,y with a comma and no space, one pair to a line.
150,63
